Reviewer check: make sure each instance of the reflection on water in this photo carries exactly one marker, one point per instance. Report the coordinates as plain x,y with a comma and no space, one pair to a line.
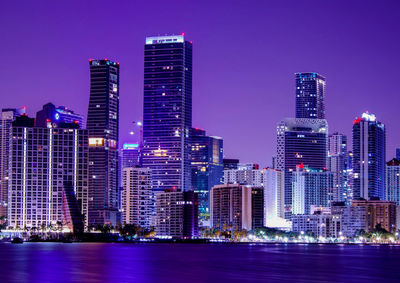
93,262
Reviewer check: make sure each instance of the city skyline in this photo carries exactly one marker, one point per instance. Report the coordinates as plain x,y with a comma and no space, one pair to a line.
252,101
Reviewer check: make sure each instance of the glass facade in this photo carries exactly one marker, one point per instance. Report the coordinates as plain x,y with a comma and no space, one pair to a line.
310,96
167,111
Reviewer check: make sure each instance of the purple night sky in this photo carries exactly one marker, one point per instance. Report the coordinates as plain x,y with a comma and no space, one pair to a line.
245,57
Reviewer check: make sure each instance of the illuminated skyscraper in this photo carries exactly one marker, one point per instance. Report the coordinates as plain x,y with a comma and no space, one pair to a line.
310,96
167,111
102,123
7,117
207,166
337,154
369,145
300,141
48,175
393,181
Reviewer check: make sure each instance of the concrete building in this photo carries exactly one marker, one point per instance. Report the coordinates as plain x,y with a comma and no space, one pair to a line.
337,153
177,214
318,224
353,218
237,207
48,170
137,196
273,195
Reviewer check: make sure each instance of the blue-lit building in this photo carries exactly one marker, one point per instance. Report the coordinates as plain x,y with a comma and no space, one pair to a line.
369,146
300,141
337,154
130,155
393,181
57,116
310,96
207,165
167,111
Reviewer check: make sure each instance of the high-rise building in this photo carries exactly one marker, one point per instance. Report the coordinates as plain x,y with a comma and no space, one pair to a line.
57,115
337,153
102,124
130,155
236,207
273,195
310,96
369,142
177,214
348,194
48,175
398,153
207,166
393,181
244,176
379,212
300,141
7,117
137,194
167,111
310,187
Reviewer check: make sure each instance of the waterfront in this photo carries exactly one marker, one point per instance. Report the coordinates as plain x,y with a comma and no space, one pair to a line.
95,262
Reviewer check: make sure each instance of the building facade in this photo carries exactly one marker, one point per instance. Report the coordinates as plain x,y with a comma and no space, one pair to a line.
369,146
318,225
273,195
310,187
207,166
300,141
337,153
102,124
177,214
7,117
310,96
167,111
393,181
236,207
48,175
137,197
57,115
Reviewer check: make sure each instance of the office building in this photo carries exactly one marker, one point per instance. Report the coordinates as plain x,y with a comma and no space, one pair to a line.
102,124
48,176
273,195
137,196
57,116
393,181
310,187
310,96
130,155
207,166
300,141
230,163
236,207
177,214
7,117
368,157
337,153
167,111
379,212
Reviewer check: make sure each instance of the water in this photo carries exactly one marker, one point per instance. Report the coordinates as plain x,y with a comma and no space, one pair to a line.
95,262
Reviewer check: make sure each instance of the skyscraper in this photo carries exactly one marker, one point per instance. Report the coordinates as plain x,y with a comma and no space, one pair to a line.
393,181
337,154
369,140
300,141
207,165
273,195
7,117
310,96
48,176
102,123
167,111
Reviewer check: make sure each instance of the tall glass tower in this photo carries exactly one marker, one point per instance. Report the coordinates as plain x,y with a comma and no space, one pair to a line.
310,96
102,123
167,111
369,162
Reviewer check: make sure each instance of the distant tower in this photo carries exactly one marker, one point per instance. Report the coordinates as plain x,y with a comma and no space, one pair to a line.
310,96
337,154
393,181
102,123
368,157
167,111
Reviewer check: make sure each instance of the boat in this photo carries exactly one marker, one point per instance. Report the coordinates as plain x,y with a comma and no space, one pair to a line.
17,240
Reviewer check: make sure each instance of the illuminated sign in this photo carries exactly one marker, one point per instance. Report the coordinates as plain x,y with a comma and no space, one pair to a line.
165,39
368,117
130,145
